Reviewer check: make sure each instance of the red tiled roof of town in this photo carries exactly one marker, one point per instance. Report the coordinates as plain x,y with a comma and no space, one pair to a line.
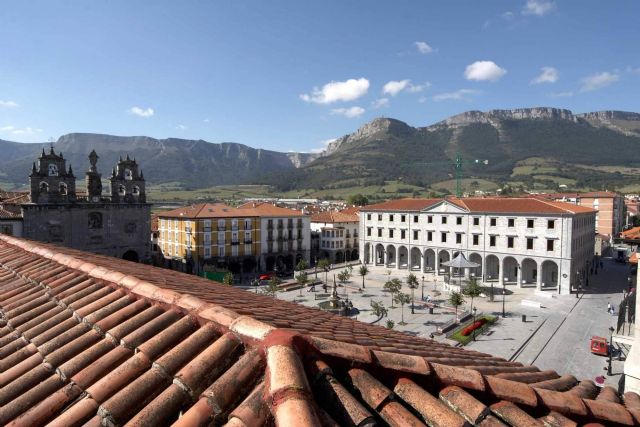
14,197
154,222
631,234
269,210
336,216
10,211
206,210
513,205
88,339
408,205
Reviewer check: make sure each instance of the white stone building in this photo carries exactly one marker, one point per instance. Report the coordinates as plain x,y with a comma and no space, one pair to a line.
338,234
516,241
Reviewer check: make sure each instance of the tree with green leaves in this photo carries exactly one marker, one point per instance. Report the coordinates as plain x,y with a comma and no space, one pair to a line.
378,309
390,324
456,299
344,277
273,286
402,299
363,271
325,266
412,282
393,286
228,279
358,200
472,290
302,265
302,280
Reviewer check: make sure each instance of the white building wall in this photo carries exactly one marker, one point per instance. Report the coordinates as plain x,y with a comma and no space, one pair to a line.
572,247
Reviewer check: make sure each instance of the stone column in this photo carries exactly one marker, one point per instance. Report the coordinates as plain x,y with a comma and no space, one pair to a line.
519,276
437,262
421,261
385,257
539,276
500,272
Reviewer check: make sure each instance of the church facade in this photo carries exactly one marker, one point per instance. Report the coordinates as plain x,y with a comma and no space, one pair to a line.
117,224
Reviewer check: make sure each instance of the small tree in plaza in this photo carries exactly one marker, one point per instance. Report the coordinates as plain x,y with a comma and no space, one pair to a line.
325,266
273,286
378,309
472,290
228,279
390,324
302,265
344,277
456,299
363,271
402,299
393,286
302,280
412,282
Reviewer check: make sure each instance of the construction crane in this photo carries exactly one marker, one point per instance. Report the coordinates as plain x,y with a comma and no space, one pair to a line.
458,164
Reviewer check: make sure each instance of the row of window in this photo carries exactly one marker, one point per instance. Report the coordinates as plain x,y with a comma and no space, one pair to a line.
332,245
166,223
493,221
338,233
475,238
169,236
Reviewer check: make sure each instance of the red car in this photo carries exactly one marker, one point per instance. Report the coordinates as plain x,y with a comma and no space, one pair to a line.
266,276
600,346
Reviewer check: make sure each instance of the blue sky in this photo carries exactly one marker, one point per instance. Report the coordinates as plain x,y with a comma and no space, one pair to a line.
291,75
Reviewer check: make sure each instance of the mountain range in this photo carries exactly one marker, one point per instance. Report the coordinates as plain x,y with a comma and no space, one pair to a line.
584,148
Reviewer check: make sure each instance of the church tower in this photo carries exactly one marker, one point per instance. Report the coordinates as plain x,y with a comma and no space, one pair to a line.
93,179
50,181
127,183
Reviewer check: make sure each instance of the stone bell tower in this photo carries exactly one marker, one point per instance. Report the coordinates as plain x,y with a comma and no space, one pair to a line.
50,181
127,182
93,179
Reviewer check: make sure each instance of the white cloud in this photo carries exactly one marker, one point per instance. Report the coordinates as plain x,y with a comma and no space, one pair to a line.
8,104
181,127
141,112
507,16
457,95
338,91
422,99
350,112
394,87
207,120
20,131
547,75
486,24
565,94
379,103
423,47
598,81
484,70
538,7
325,144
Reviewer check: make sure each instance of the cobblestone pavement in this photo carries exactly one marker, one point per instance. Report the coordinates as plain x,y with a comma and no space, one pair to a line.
555,336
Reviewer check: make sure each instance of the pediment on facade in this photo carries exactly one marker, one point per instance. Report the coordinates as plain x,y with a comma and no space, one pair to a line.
444,207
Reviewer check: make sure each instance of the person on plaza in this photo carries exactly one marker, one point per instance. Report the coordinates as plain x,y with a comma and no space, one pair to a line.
613,311
609,307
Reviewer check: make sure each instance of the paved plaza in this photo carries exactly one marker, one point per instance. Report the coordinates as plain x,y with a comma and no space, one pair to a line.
555,336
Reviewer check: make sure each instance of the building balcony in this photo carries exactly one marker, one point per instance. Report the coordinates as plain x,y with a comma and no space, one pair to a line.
207,229
248,242
222,228
235,242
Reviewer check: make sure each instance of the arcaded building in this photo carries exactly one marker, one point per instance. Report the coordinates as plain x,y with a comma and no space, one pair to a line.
115,224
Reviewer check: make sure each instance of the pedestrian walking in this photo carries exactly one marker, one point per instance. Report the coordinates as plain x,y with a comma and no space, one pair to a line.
613,311
609,307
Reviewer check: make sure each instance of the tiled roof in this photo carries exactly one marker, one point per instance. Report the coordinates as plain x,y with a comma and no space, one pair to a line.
515,205
14,197
206,210
336,216
632,233
92,340
268,209
409,205
10,212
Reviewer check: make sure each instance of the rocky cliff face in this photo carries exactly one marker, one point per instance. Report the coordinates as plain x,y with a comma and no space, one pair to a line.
490,117
376,127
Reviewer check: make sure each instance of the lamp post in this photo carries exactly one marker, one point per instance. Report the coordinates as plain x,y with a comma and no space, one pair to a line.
578,284
474,322
315,268
610,349
504,293
422,299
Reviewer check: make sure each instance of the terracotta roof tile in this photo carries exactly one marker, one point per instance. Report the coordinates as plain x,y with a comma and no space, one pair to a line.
151,347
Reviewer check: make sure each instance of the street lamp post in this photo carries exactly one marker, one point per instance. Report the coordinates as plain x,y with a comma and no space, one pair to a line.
504,294
422,299
610,349
578,284
474,322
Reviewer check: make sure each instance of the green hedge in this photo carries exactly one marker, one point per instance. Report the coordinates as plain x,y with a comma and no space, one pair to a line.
457,334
